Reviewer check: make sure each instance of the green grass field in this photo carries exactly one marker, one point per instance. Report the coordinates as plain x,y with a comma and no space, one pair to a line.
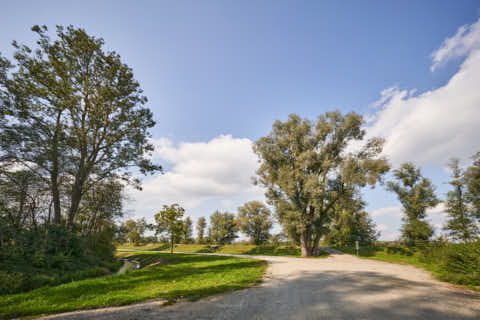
164,276
266,250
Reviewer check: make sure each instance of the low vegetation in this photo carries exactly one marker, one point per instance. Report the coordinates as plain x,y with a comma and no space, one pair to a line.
164,276
247,249
456,263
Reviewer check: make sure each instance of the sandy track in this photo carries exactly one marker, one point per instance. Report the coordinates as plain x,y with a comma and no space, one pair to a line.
339,287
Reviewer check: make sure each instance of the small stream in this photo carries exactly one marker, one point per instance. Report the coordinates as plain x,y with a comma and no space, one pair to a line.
129,265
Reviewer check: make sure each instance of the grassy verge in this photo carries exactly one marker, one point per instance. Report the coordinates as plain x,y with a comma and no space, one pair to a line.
266,250
17,275
435,260
165,276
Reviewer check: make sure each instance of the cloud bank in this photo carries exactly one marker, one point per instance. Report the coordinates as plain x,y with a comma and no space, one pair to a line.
218,171
438,124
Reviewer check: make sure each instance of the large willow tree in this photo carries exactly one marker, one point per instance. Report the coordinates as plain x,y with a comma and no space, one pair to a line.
307,170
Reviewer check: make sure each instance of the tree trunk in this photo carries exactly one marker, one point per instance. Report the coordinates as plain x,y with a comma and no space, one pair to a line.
309,246
57,210
171,244
305,245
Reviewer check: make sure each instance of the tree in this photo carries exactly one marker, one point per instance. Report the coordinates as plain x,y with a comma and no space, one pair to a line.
188,230
201,225
255,220
223,229
135,230
169,221
74,115
472,177
460,223
416,194
306,170
350,223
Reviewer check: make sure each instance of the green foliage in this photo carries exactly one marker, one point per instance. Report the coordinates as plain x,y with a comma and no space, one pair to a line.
134,230
306,171
187,231
255,220
201,225
168,277
460,223
72,125
75,116
169,221
247,249
472,179
416,194
348,227
223,228
457,262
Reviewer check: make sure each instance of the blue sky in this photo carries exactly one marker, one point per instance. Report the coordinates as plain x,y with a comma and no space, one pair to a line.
218,73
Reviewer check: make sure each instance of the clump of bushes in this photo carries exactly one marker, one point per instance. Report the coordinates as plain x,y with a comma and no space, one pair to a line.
457,262
61,257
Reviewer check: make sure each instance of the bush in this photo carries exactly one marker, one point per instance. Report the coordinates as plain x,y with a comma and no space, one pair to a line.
15,282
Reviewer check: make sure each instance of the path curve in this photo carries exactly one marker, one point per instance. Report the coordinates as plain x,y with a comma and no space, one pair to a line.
339,287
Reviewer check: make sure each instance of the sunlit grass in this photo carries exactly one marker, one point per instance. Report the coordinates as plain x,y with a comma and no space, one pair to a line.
245,249
169,277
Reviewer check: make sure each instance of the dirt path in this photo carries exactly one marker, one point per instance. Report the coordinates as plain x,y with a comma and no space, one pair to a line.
339,287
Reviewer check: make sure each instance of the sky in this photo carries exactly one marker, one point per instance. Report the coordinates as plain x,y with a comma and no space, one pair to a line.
218,74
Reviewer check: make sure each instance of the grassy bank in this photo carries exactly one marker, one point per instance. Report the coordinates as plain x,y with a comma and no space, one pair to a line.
164,276
266,250
455,263
17,275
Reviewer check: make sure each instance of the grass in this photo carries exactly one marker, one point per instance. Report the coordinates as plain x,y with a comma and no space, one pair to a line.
18,275
265,250
414,257
166,276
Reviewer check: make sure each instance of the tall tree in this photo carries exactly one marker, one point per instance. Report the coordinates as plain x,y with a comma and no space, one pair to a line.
169,221
135,230
461,220
223,229
255,220
350,223
75,116
416,194
187,230
201,225
306,169
472,177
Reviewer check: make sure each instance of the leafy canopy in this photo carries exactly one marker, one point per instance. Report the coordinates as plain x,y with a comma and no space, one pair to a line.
416,194
255,220
306,169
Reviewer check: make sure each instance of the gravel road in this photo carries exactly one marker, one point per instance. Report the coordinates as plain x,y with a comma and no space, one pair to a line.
339,287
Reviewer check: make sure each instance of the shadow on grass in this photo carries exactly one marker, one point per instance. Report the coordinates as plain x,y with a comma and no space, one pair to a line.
274,251
164,281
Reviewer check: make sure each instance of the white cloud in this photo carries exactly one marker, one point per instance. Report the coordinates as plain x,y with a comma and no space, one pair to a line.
394,211
388,233
461,44
204,176
439,210
436,125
